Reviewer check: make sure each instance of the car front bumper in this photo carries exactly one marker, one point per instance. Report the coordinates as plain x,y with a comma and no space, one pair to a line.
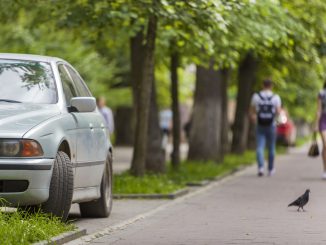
37,172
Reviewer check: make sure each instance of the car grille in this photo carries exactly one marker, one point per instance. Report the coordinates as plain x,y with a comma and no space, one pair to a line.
13,185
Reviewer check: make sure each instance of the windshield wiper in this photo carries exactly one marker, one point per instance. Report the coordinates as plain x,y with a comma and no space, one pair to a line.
10,101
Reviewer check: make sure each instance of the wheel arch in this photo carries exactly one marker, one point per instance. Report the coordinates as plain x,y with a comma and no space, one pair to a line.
64,147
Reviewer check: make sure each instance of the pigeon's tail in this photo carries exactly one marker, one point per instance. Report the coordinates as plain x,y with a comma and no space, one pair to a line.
292,204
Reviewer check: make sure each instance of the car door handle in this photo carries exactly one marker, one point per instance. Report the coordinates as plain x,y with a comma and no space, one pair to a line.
91,126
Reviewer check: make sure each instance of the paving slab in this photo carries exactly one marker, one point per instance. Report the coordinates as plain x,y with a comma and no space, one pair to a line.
243,209
122,210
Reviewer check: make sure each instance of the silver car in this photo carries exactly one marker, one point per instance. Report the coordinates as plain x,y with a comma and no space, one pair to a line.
54,145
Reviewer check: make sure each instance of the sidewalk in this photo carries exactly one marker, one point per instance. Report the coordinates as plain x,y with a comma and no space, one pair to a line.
242,209
122,209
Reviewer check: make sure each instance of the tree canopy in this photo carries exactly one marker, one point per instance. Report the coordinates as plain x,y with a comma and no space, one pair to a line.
286,38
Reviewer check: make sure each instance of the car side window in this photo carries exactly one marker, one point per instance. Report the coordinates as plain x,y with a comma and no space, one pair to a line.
79,83
67,84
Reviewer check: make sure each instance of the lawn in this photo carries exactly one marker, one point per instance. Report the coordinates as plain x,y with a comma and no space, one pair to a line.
174,180
24,228
189,172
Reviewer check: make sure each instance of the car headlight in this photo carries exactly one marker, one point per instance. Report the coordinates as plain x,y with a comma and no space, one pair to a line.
20,148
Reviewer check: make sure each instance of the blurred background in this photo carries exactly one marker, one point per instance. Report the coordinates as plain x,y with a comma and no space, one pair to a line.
182,72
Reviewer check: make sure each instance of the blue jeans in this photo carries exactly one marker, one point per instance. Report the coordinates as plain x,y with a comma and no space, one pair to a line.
265,134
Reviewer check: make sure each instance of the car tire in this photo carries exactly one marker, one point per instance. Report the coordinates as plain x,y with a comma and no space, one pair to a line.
61,187
101,208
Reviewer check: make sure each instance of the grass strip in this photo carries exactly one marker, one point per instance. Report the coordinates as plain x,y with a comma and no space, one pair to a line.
173,180
24,228
303,140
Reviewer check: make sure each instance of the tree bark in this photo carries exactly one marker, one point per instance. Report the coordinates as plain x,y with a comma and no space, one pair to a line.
225,74
251,142
123,126
155,155
205,134
175,157
246,81
143,96
137,50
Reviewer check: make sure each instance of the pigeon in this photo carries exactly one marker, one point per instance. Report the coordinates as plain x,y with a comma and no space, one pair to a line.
301,201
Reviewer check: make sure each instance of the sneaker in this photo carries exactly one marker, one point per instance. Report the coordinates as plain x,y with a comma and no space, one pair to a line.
324,176
260,172
271,172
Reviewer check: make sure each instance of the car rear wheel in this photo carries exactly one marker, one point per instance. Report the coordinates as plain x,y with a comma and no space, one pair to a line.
101,207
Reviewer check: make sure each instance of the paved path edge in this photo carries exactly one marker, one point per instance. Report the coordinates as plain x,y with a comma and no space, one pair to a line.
64,238
172,195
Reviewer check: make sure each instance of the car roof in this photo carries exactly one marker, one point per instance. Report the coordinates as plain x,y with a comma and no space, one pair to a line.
30,57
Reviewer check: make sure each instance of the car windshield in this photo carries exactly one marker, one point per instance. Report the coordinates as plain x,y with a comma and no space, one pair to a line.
27,82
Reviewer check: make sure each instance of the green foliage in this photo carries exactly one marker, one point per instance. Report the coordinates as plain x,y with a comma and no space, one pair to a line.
118,97
174,180
287,36
261,27
298,84
46,39
24,228
189,24
186,85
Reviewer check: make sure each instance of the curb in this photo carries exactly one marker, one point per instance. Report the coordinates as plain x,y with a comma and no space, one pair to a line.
198,183
63,238
226,174
173,195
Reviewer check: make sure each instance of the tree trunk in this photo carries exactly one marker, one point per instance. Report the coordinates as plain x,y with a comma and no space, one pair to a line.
137,50
205,132
175,157
155,156
246,81
143,100
225,74
251,142
123,126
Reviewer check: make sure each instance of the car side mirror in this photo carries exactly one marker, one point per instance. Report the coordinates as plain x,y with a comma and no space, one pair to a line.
82,104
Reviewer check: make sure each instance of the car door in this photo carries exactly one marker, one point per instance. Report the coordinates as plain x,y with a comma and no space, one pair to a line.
69,92
83,130
91,161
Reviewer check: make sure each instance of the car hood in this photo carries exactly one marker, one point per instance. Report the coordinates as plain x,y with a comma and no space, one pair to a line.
18,118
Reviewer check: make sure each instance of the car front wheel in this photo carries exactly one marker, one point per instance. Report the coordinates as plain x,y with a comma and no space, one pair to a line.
61,187
101,207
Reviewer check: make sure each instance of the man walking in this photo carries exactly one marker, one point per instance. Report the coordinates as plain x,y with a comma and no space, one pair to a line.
265,106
